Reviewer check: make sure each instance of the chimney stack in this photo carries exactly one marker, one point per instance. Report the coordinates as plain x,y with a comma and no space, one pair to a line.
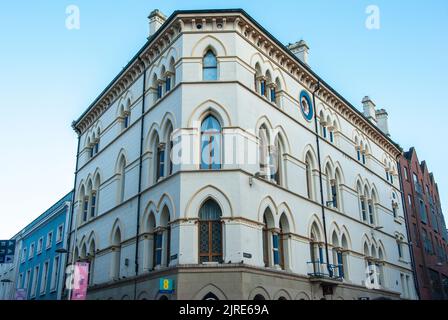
300,50
156,19
369,109
382,119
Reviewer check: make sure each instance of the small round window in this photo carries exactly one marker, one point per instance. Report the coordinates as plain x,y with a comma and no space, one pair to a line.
306,105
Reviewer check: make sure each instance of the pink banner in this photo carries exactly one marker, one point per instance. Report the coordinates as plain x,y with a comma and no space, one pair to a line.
81,279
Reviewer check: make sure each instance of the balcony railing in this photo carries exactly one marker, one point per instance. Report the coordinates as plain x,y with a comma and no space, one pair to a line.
318,269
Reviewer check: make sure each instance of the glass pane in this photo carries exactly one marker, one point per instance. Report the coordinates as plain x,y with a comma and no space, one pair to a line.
276,257
216,238
211,124
203,237
158,257
275,241
159,241
205,152
168,84
215,151
210,210
210,74
210,60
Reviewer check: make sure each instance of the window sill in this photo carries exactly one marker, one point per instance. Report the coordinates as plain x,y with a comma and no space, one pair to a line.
397,220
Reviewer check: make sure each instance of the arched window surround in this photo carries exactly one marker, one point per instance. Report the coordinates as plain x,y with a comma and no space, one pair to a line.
209,66
211,143
210,233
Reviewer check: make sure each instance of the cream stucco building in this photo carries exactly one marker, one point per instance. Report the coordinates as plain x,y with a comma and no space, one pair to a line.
278,188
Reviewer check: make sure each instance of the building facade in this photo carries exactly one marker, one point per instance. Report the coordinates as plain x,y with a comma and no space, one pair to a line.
8,273
427,228
219,160
39,267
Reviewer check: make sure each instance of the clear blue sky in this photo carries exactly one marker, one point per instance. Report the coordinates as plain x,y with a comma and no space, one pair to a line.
49,75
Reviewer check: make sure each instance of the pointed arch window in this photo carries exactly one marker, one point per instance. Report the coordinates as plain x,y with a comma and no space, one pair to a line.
85,209
316,253
168,82
210,144
283,248
158,246
395,209
334,192
159,89
273,94
116,255
400,249
210,232
160,161
122,182
263,87
264,152
265,242
276,156
362,199
371,213
308,179
93,204
209,66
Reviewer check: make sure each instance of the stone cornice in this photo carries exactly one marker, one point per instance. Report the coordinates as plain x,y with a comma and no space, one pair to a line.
247,27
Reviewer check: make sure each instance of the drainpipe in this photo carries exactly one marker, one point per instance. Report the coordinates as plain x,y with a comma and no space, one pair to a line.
140,168
320,178
408,232
72,207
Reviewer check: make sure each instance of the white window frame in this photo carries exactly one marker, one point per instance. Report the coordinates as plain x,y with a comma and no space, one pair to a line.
40,248
35,281
49,242
26,282
32,249
24,253
59,235
55,273
44,277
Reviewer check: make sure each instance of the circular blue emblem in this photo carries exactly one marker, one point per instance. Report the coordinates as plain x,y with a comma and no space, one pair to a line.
306,105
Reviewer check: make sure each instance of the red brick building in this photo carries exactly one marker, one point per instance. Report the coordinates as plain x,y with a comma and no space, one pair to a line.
426,227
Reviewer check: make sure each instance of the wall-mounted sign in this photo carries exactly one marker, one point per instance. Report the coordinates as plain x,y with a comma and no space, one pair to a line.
21,294
7,249
166,285
247,255
306,105
81,281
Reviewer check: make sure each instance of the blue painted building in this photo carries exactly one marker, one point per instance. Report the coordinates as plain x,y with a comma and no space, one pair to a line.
40,271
